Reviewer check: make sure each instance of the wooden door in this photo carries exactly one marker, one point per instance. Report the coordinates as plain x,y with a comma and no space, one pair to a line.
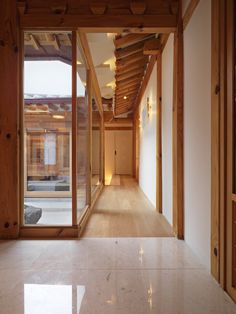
123,152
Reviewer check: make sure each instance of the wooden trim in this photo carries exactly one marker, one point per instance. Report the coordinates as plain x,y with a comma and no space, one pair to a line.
74,129
159,136
178,132
189,12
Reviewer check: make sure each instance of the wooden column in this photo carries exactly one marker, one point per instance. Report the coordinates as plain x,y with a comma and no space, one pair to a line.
74,129
178,124
9,127
89,141
159,135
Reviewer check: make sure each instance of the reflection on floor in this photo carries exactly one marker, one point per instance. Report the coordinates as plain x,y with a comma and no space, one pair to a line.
124,211
106,276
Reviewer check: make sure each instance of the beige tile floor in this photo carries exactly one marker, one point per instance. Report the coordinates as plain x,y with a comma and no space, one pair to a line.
106,275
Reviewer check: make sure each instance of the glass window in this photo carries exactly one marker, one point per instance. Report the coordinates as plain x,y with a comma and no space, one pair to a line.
47,127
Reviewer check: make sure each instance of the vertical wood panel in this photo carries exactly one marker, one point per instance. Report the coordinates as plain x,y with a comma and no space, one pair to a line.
178,178
9,124
159,135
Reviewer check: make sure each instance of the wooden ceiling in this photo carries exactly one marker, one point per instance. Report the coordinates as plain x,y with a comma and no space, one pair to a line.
132,57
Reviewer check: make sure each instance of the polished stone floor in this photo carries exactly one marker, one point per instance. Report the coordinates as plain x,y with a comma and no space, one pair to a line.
106,275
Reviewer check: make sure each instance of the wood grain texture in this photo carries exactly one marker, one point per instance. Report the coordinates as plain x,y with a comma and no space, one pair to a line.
124,211
9,123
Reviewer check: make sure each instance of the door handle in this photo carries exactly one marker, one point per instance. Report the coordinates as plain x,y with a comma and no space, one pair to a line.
115,152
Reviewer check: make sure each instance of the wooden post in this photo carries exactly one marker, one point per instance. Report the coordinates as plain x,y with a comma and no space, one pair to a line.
178,177
9,120
159,135
215,139
74,129
89,141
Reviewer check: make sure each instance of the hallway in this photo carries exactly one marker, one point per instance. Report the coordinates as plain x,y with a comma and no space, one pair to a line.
107,276
123,210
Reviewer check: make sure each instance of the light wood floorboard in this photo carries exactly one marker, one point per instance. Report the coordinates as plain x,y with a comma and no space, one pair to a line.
124,211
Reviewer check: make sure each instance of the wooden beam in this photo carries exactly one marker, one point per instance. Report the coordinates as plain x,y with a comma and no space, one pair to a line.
126,93
98,7
145,81
130,80
133,73
150,23
125,52
34,42
159,136
152,47
138,6
177,134
130,84
132,66
189,12
131,59
126,90
129,39
56,42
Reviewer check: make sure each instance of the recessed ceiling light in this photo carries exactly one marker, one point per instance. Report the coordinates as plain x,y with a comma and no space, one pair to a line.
125,97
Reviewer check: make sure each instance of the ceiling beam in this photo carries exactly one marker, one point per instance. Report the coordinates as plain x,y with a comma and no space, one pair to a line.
125,52
147,23
34,42
152,47
128,84
135,79
131,59
131,66
129,39
145,81
138,6
133,73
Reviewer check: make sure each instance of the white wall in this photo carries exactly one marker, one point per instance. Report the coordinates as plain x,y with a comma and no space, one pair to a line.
167,103
147,166
197,131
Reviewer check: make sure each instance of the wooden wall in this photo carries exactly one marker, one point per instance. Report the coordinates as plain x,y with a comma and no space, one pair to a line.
9,112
